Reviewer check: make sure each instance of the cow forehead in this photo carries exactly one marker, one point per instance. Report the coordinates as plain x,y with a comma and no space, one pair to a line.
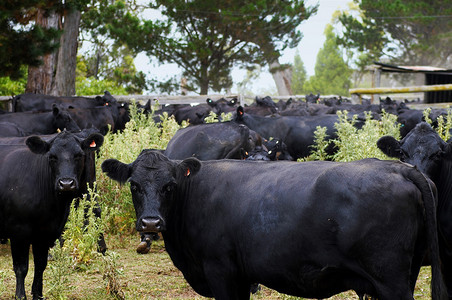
152,167
427,143
65,144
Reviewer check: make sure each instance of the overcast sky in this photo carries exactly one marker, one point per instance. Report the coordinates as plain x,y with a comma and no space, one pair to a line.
313,39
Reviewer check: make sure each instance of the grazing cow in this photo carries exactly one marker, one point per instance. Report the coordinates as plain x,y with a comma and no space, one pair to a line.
37,185
42,122
310,229
297,132
212,141
424,148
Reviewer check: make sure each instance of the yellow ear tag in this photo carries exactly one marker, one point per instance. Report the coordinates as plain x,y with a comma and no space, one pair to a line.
187,173
93,144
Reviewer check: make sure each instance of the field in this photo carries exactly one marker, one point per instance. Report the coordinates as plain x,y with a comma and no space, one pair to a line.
150,276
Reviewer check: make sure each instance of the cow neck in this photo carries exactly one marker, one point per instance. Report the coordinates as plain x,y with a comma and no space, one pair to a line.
175,237
58,202
444,184
179,202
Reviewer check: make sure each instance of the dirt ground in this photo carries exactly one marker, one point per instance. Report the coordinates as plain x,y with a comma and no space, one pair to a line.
150,276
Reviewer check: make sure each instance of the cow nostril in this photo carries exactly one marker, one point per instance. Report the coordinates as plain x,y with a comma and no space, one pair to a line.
66,184
151,225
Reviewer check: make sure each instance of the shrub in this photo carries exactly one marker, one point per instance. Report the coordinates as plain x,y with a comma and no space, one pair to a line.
353,143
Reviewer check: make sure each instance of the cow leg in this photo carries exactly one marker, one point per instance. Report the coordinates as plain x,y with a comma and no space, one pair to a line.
446,260
101,244
40,252
20,253
225,283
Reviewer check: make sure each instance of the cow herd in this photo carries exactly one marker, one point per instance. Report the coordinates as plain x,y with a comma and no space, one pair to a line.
234,208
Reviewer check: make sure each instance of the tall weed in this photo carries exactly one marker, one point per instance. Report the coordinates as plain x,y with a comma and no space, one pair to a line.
354,144
79,250
141,132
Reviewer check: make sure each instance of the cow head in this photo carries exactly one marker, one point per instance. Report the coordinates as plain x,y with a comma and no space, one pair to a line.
63,120
154,180
421,147
240,114
221,105
66,156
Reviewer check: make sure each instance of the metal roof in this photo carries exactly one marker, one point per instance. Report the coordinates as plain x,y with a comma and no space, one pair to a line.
411,69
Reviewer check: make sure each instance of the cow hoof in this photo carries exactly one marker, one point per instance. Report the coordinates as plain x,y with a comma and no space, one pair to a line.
143,247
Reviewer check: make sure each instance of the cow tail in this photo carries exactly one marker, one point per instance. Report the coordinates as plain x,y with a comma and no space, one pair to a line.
430,197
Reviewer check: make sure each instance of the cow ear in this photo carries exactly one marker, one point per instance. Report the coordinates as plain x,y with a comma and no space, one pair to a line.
190,166
240,113
116,170
93,142
37,145
390,146
210,102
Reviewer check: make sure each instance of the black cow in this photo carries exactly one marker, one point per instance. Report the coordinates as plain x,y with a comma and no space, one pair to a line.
41,102
206,142
272,150
297,132
42,122
425,149
37,185
222,105
10,129
101,117
310,229
212,141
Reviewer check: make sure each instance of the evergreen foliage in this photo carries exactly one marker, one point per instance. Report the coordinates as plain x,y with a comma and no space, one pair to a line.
406,32
206,39
23,42
299,75
332,74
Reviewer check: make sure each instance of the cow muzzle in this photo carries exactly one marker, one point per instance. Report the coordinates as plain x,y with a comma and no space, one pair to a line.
151,225
66,185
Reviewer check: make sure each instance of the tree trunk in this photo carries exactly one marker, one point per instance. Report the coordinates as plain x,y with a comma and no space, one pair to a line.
64,83
282,77
204,81
40,79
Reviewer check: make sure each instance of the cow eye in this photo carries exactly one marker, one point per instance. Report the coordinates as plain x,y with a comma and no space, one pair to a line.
134,187
53,158
168,188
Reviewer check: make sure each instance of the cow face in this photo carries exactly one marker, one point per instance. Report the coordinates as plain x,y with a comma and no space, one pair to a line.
63,120
66,157
421,147
154,181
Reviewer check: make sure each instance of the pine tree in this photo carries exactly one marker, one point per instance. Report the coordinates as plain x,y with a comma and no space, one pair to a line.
299,75
332,74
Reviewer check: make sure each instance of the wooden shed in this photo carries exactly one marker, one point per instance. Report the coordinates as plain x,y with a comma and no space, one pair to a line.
433,76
